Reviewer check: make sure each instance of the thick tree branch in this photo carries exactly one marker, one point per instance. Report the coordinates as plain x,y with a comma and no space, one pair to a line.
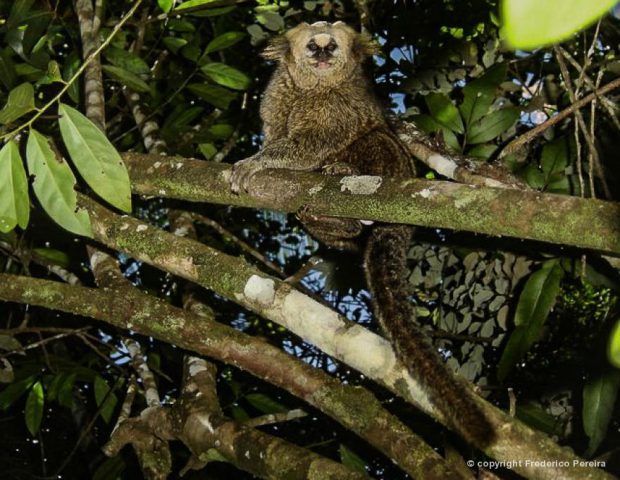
128,308
557,219
321,326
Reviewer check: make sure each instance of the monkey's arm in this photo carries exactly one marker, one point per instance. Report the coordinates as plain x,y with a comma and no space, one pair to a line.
306,150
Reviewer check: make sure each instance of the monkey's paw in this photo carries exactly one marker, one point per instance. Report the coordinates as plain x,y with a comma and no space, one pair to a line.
242,173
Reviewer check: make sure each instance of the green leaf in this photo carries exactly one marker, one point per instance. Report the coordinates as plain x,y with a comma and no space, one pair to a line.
535,303
14,201
33,412
208,150
20,102
264,403
126,78
52,255
110,469
54,185
536,417
491,126
482,151
174,43
65,391
530,24
599,397
271,20
8,75
613,350
224,40
193,3
95,158
444,111
71,66
217,96
105,401
426,123
126,60
226,75
165,5
478,95
350,459
221,131
14,391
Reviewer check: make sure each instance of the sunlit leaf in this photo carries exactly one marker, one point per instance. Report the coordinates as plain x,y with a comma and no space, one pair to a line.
125,77
599,398
492,125
165,5
271,20
53,256
224,40
95,157
33,412
193,3
529,24
54,185
14,200
226,75
535,303
613,352
444,111
20,102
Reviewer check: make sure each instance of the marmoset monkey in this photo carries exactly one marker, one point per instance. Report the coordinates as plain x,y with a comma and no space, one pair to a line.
320,113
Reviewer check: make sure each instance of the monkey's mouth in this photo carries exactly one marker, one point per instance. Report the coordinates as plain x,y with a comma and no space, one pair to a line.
322,65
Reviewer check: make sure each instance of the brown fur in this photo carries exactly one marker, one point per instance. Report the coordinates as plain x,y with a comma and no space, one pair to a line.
329,119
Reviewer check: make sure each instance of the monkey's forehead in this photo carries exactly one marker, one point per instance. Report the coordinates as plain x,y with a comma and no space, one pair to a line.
320,27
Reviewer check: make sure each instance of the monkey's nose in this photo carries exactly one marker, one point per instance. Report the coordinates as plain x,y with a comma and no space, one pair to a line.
322,39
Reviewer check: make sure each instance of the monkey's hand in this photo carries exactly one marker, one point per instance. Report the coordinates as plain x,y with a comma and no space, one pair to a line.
243,171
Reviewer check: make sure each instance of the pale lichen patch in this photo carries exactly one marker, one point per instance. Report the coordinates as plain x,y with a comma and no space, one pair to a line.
260,290
425,193
316,189
141,228
361,184
442,165
377,356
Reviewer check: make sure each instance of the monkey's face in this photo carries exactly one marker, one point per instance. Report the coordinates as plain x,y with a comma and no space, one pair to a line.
322,53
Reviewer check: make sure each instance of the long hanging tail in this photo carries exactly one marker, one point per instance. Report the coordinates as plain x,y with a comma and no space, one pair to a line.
385,266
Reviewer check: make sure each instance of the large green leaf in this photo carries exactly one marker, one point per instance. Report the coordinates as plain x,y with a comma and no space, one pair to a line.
599,398
33,412
54,185
613,351
479,94
444,111
226,75
217,96
95,158
224,40
492,125
530,24
20,102
14,202
131,80
535,303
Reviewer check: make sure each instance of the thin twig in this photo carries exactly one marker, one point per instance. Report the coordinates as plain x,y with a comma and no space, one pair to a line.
530,135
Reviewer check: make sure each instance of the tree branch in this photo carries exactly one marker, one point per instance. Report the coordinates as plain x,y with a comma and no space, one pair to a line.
557,219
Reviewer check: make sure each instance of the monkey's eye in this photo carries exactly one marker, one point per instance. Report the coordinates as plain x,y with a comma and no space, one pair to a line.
331,46
313,47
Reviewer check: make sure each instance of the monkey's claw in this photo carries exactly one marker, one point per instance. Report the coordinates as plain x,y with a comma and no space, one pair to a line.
242,173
